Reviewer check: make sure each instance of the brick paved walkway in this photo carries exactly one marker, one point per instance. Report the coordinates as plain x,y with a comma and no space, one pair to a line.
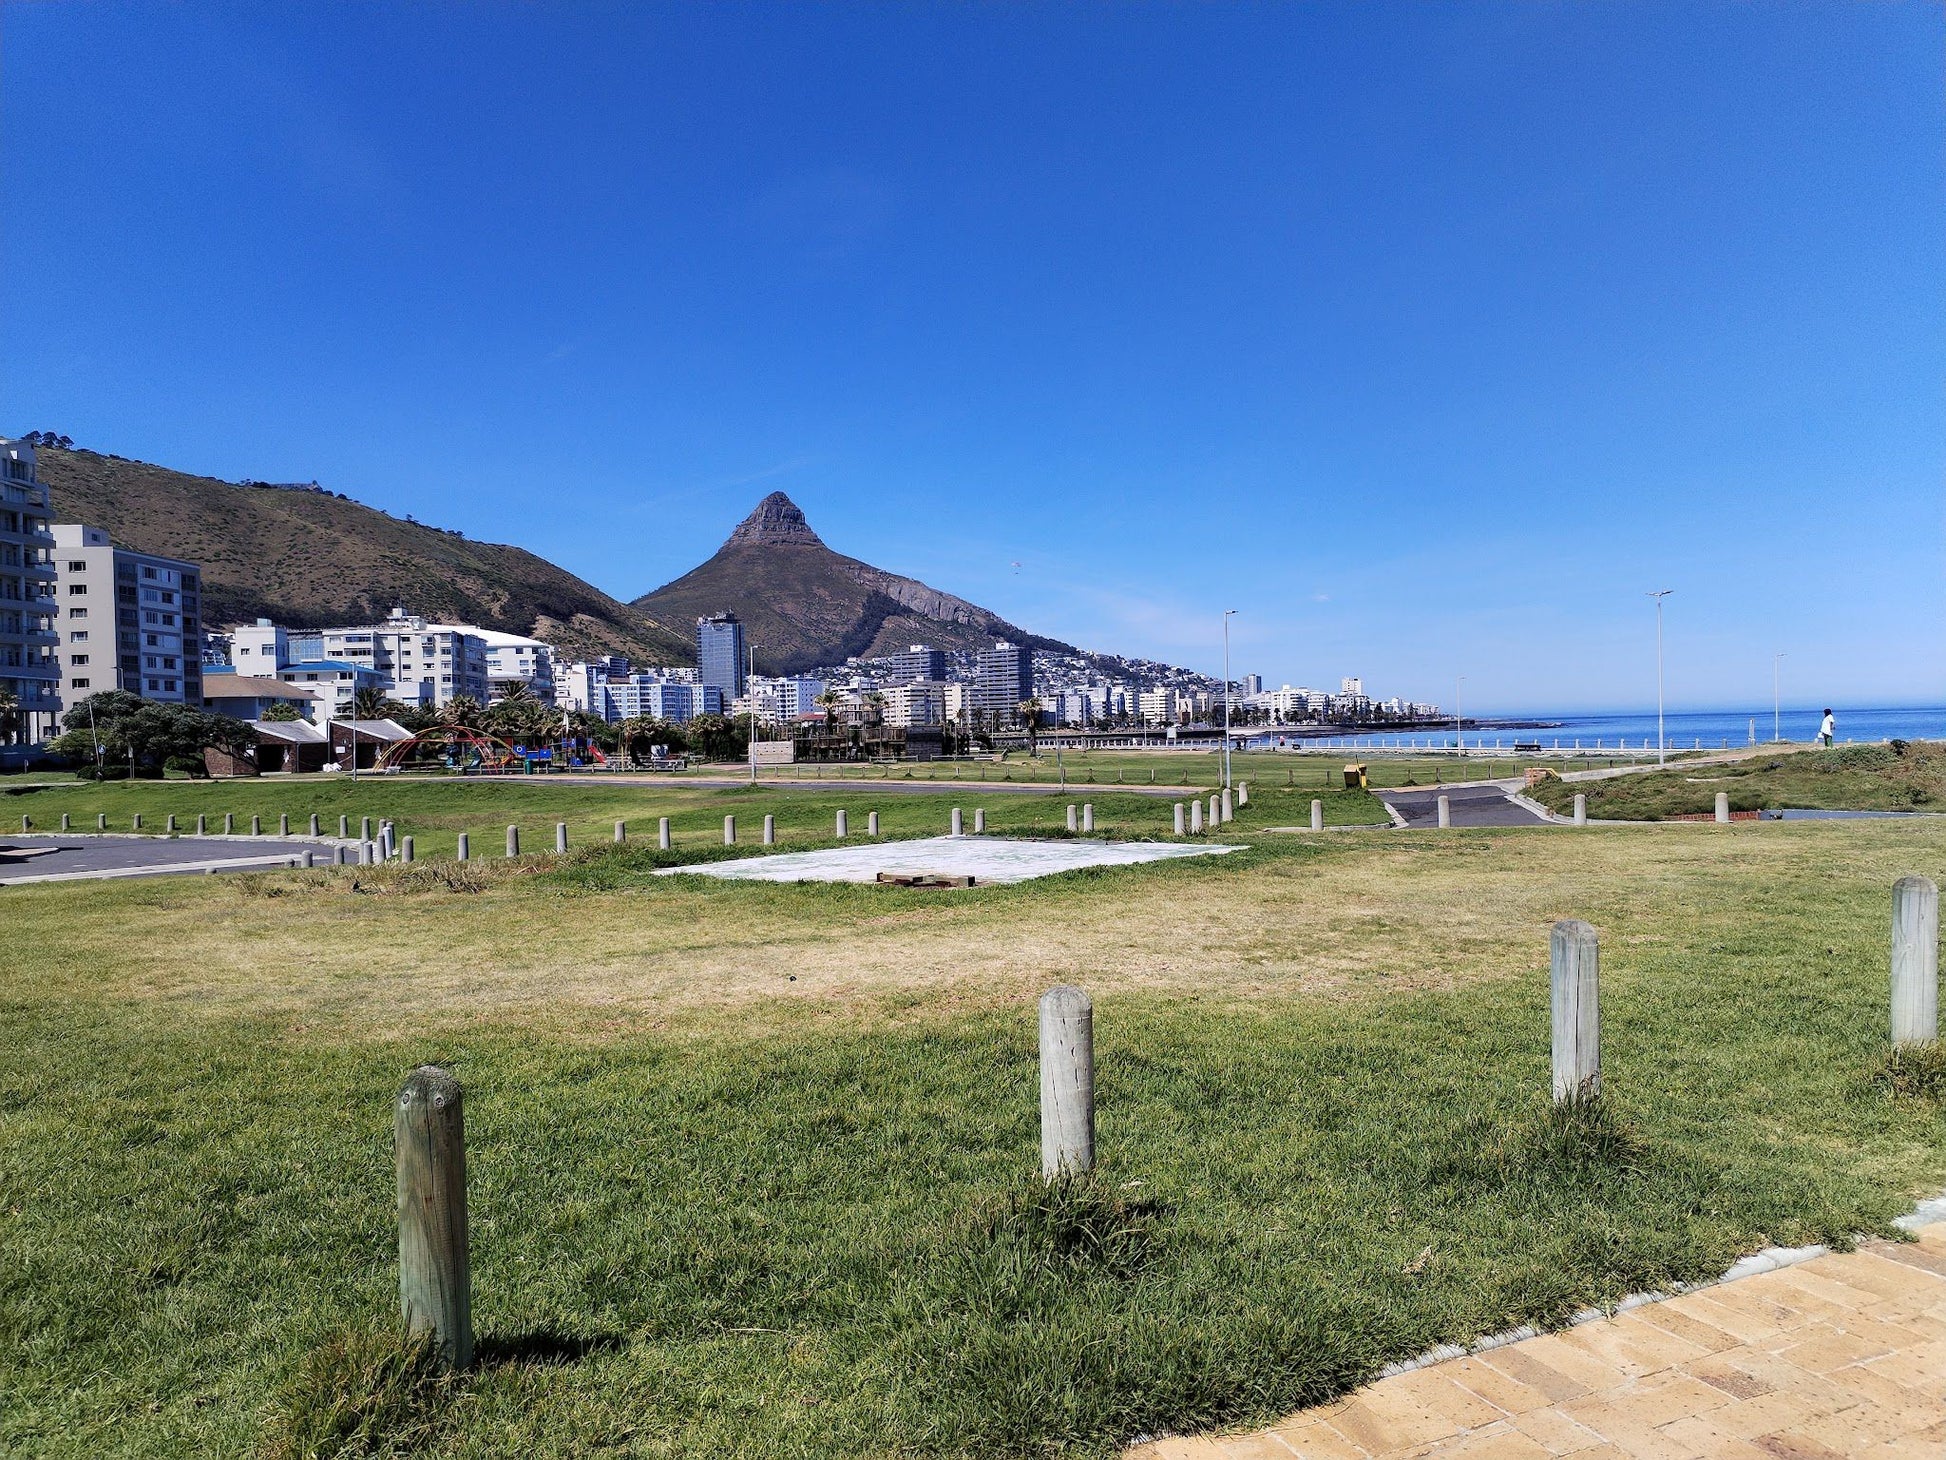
1840,1356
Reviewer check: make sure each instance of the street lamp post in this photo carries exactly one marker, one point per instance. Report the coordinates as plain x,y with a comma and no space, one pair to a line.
1228,613
1776,698
1459,744
1661,752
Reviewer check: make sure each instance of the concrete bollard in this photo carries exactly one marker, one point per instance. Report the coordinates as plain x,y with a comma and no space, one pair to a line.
871,823
435,1266
405,849
1196,817
367,853
770,830
979,820
1243,793
256,826
314,824
844,826
1445,813
463,848
169,824
26,823
560,837
64,821
1723,808
959,822
1073,825
621,832
662,834
283,823
1088,817
1177,823
1215,812
1574,963
1580,809
729,831
136,822
344,828
1067,1082
310,859
101,821
1915,961
341,854
201,823
1229,808
513,841
364,828
1317,814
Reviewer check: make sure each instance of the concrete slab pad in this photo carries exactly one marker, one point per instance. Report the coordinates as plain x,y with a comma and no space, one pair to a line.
983,858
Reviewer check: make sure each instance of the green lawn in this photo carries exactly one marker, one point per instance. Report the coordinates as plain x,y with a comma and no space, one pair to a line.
752,1166
1844,778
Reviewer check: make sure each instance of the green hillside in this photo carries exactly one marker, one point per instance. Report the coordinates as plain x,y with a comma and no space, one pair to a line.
309,559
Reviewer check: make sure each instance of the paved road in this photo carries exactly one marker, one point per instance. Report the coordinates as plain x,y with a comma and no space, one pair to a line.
1475,805
27,858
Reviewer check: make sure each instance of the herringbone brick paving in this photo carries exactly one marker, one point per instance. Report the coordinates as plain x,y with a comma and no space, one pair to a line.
1840,1356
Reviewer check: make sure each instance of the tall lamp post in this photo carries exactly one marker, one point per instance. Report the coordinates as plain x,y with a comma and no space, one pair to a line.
1776,697
1228,613
1661,752
1458,743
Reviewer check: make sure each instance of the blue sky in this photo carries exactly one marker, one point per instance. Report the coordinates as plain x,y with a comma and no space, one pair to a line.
1427,337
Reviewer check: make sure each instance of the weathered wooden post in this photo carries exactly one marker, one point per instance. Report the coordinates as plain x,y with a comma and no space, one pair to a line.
513,841
979,820
1073,825
1580,808
1915,961
1196,817
662,834
1088,816
1067,1082
621,833
560,836
314,823
844,826
1177,823
435,1266
729,831
958,823
464,848
1574,961
1723,808
871,823
283,823
405,849
770,829
1317,814
1445,812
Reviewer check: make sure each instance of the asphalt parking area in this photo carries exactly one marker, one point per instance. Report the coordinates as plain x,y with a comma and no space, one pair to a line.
59,858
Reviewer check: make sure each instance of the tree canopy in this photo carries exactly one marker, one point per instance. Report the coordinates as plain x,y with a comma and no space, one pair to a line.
157,734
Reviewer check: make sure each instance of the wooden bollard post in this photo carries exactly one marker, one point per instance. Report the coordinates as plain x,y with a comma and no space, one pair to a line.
729,831
283,823
958,822
844,826
314,824
770,829
464,848
662,834
1067,1082
1445,812
1580,809
1915,961
1196,817
979,820
1317,814
1574,962
405,849
1723,808
1177,823
871,823
435,1266
560,836
1073,824
513,841
621,832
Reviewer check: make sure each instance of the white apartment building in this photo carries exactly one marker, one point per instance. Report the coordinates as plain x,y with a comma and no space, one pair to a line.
29,642
1157,706
920,702
416,663
513,659
129,621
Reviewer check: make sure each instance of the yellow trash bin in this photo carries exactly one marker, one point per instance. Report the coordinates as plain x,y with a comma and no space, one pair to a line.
1355,778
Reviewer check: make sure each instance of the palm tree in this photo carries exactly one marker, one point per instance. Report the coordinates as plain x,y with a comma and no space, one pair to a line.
10,716
368,703
829,702
1030,717
874,703
461,712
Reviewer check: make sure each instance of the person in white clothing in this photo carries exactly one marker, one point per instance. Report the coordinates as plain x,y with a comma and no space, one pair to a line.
1827,729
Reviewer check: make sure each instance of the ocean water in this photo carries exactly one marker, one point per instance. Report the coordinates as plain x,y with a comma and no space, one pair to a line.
1687,730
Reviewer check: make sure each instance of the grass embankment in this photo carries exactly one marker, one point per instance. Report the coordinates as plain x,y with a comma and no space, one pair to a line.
437,809
752,1165
1844,778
